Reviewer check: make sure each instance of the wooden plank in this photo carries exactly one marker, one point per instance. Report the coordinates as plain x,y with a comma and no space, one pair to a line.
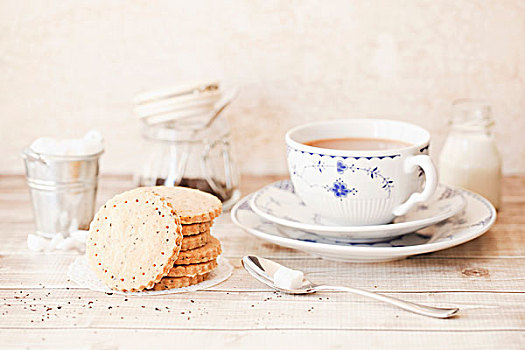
19,204
512,185
261,339
16,208
16,184
67,309
501,241
249,183
461,275
505,240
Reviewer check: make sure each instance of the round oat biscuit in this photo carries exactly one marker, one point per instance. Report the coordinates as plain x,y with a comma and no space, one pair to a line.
192,269
195,229
133,240
208,252
179,282
192,206
195,241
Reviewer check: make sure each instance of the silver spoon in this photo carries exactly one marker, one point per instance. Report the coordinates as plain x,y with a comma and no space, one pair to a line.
264,270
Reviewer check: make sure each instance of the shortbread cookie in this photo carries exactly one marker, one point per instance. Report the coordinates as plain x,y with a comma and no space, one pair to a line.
195,229
133,240
195,241
210,251
193,269
192,206
179,282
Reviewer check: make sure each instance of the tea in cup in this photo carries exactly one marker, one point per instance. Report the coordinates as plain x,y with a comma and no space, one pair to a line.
361,171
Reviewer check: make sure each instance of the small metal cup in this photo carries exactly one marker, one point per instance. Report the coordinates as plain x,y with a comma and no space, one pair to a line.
63,191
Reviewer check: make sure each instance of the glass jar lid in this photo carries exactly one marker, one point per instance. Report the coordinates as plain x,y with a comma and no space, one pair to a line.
190,106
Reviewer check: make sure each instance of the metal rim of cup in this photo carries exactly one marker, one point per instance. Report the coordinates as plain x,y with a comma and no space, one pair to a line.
28,153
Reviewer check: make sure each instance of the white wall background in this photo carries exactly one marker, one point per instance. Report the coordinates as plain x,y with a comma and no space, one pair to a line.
68,66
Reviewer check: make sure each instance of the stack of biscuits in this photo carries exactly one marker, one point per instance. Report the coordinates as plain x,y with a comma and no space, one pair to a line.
154,238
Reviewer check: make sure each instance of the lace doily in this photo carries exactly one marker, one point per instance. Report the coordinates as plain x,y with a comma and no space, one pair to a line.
80,272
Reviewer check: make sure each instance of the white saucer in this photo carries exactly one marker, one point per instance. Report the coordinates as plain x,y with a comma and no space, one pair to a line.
476,219
279,203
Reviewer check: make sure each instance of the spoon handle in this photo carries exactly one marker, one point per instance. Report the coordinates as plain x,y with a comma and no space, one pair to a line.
405,305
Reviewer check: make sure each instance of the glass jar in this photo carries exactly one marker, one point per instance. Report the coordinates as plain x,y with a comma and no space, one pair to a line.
198,159
470,158
188,145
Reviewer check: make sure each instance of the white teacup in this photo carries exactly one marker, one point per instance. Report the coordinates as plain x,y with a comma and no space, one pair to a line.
361,187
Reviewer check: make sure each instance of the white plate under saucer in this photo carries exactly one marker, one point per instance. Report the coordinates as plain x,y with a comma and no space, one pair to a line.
279,203
476,219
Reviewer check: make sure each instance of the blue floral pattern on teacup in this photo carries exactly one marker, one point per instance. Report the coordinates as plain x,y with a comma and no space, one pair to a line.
340,189
386,183
341,167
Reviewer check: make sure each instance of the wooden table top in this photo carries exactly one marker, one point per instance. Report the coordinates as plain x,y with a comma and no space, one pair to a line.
40,307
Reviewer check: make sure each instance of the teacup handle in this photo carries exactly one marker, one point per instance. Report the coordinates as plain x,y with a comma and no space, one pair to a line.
431,177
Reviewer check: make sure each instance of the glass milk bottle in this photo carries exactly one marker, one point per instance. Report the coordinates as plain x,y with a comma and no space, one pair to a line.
470,158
